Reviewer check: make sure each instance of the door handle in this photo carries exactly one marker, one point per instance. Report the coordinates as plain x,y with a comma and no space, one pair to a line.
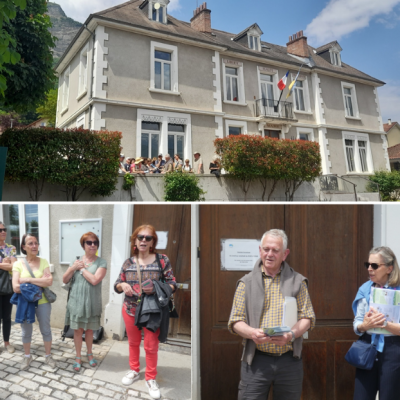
183,286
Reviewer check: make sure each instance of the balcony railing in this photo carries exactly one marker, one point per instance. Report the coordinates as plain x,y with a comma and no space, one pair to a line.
274,108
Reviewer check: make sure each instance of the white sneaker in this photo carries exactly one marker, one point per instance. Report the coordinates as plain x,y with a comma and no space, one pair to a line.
130,377
154,390
10,348
50,362
27,361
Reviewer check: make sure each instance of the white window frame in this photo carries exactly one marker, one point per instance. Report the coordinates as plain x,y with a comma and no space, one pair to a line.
174,67
175,135
163,6
81,121
44,227
164,118
150,132
83,72
258,48
236,124
336,53
357,163
240,75
352,87
65,91
308,131
306,95
275,80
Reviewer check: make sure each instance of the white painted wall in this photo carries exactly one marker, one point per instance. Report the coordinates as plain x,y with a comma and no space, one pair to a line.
386,226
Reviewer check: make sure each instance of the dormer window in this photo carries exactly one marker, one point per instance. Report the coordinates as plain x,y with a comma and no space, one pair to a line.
335,58
254,42
250,37
158,13
158,10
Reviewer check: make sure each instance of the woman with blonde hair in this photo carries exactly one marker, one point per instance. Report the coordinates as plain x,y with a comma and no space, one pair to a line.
384,377
84,305
144,265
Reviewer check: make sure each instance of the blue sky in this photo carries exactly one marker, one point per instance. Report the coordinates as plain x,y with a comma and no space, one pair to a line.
367,30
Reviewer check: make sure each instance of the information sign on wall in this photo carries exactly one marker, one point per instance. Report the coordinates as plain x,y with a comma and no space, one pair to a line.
239,254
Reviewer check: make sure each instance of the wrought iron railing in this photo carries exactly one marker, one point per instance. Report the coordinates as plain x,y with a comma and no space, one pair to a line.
336,184
274,108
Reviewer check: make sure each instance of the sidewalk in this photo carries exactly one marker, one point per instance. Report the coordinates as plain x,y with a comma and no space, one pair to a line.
40,382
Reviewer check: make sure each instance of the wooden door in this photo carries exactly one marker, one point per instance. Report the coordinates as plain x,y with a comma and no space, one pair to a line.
175,219
328,245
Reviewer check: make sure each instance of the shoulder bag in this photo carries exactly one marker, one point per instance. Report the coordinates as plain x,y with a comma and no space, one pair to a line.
5,280
171,305
361,354
50,295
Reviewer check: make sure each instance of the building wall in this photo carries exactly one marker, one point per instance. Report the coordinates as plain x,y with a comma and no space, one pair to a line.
393,136
82,211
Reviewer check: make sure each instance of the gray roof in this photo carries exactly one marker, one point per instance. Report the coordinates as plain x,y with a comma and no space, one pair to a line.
129,13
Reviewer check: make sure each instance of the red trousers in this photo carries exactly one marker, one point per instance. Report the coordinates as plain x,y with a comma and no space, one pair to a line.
150,347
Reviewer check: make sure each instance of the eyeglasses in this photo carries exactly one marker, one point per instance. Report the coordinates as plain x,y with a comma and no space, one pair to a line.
3,230
147,237
373,265
90,243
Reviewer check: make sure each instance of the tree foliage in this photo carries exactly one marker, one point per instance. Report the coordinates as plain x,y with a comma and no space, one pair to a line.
32,76
389,184
49,108
77,159
8,53
250,157
181,186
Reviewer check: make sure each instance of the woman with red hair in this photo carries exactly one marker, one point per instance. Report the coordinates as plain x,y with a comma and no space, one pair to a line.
147,262
84,304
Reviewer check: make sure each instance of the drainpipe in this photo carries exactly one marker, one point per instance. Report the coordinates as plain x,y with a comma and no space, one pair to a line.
91,75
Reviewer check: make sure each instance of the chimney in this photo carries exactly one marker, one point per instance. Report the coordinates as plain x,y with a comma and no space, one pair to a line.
389,122
298,45
201,20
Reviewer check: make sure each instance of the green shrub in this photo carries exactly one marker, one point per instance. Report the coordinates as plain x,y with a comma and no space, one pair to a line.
129,181
181,186
389,184
77,159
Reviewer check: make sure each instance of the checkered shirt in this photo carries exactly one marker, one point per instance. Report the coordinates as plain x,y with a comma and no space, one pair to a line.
273,309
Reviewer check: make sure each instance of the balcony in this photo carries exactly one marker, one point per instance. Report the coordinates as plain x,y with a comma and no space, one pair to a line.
274,109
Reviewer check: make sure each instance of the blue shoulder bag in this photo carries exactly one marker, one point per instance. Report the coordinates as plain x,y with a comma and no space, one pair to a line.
361,354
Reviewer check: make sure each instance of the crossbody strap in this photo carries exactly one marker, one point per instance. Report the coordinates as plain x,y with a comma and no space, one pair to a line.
138,273
29,268
159,266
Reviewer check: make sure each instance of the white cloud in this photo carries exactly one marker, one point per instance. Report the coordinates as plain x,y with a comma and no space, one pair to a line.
174,5
389,98
342,17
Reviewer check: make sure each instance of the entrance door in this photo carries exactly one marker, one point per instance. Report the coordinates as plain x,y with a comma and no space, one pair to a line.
328,245
175,219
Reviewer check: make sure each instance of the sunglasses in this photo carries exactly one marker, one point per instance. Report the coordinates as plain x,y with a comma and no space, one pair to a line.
147,237
373,265
3,230
90,243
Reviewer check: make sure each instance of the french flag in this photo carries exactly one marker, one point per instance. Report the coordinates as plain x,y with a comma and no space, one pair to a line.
282,82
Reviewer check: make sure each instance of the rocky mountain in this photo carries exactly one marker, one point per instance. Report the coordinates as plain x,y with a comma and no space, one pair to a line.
64,28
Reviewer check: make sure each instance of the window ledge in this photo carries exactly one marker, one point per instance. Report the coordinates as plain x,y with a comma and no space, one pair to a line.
164,91
236,103
81,95
355,118
303,112
64,110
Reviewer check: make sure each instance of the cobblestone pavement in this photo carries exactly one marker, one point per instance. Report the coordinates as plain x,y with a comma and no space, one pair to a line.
41,382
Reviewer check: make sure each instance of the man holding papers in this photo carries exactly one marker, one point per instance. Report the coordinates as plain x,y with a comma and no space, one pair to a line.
257,307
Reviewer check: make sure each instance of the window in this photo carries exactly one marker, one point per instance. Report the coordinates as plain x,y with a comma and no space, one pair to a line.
271,134
233,79
158,13
234,128
267,90
164,68
83,71
350,100
29,218
65,92
305,134
232,93
254,42
358,153
335,58
150,139
80,121
299,96
176,140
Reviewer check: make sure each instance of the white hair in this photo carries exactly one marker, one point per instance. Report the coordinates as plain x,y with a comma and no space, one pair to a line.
277,233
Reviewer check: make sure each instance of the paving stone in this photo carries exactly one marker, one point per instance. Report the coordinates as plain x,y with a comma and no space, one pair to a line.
93,396
52,376
83,378
69,381
2,366
14,378
106,392
65,373
26,374
89,372
4,394
62,365
3,374
47,368
45,390
132,398
105,398
98,383
9,363
133,392
29,384
4,384
34,395
87,386
6,355
37,371
78,392
41,379
62,395
15,397
49,398
36,364
115,388
11,370
145,396
17,389
58,385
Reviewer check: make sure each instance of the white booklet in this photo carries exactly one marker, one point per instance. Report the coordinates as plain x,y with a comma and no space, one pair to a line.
385,301
290,316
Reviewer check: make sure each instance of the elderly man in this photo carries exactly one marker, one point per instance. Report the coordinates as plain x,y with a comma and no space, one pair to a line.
122,168
169,165
258,304
198,163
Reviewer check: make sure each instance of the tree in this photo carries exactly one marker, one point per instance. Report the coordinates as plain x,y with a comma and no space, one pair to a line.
8,54
49,108
32,77
8,120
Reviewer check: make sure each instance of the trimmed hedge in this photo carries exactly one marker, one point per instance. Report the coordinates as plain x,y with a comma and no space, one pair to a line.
389,184
252,157
182,186
77,159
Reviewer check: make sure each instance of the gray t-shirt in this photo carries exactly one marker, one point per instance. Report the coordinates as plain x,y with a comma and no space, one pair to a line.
196,166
